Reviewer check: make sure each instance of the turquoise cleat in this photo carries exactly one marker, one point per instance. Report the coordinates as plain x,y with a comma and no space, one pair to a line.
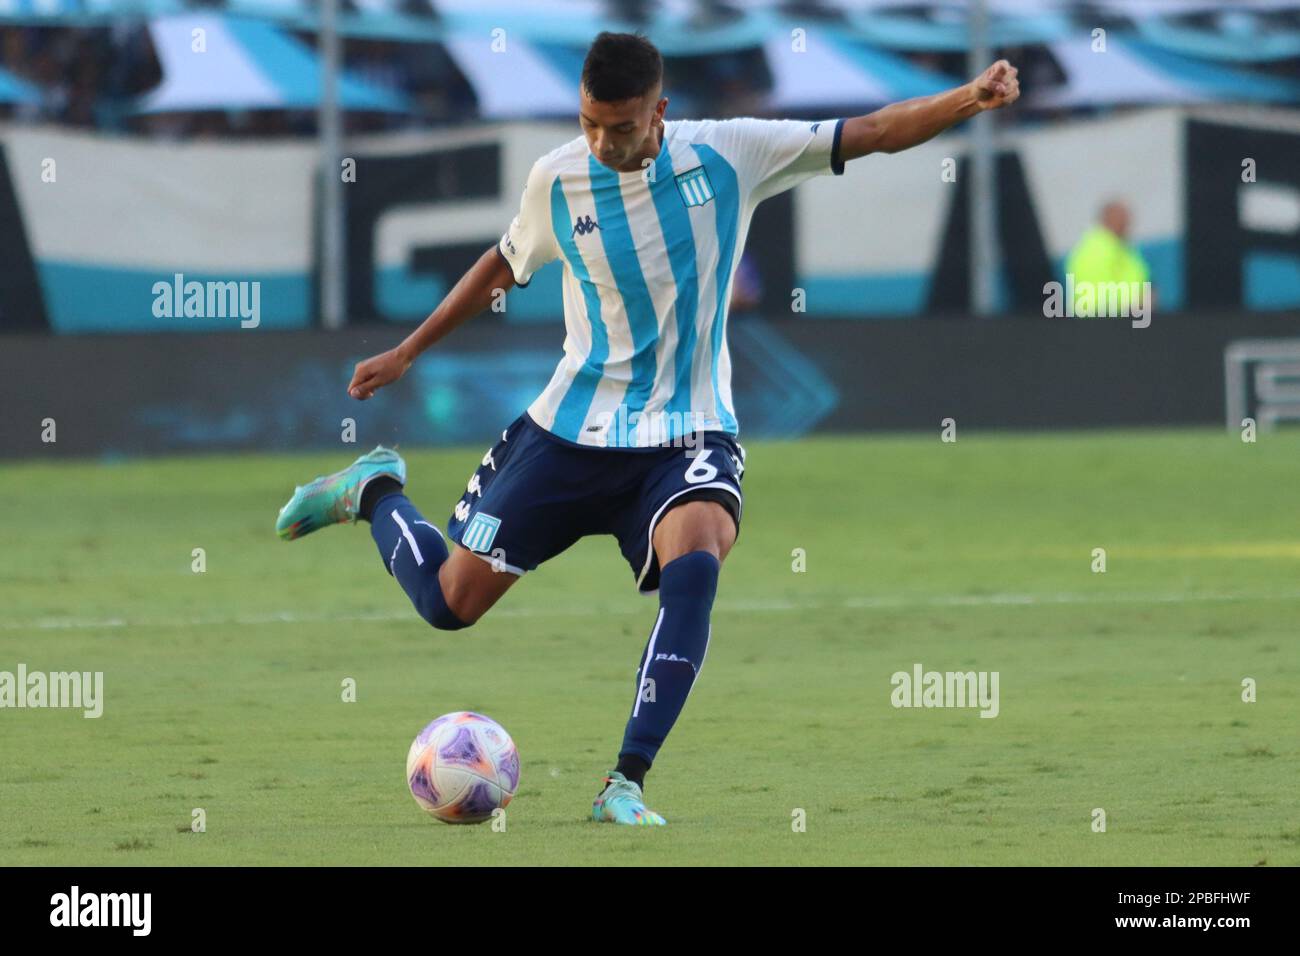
621,802
334,499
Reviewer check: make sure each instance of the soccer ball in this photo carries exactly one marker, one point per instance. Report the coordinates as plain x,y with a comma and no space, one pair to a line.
462,767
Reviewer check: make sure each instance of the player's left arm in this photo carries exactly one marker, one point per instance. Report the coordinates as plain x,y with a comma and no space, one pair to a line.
903,125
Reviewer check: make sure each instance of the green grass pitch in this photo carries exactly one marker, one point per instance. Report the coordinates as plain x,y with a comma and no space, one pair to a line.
1120,691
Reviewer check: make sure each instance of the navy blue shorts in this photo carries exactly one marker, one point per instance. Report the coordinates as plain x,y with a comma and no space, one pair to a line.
536,494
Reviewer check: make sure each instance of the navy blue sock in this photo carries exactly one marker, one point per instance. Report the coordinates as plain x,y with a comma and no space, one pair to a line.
413,550
675,652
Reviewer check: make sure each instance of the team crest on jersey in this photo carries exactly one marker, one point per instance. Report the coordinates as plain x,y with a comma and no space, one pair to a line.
694,186
480,532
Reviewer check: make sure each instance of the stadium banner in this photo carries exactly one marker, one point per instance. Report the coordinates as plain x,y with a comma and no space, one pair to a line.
268,389
106,234
102,230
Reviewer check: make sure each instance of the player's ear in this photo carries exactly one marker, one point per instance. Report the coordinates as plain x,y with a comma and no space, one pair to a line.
659,109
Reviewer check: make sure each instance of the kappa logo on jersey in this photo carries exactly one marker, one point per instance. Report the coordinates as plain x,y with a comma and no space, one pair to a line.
694,186
480,532
583,225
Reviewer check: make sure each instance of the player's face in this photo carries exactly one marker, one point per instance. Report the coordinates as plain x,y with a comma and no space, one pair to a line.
622,134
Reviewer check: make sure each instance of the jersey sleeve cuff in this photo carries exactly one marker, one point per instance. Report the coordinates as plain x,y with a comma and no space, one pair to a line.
510,266
837,164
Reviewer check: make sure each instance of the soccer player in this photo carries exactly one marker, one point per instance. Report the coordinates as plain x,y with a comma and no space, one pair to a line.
635,435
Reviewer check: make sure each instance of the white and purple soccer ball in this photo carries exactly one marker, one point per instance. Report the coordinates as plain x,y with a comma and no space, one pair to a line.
462,767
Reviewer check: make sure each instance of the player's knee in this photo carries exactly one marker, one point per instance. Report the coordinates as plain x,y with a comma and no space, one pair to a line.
437,612
460,605
448,620
707,526
440,607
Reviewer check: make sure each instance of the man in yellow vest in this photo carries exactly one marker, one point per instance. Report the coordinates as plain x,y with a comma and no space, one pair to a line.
1102,263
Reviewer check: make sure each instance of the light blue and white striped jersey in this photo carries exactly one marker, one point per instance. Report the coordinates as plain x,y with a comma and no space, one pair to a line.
649,258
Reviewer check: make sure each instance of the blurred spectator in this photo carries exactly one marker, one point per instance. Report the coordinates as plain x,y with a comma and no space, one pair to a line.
91,76
1102,260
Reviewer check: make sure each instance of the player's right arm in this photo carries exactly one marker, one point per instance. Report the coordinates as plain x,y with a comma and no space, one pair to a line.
901,126
470,296
526,246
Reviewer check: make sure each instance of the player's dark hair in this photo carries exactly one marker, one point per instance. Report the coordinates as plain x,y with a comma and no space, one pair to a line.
620,66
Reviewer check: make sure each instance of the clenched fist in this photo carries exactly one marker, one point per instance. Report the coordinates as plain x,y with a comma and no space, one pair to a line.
997,86
376,372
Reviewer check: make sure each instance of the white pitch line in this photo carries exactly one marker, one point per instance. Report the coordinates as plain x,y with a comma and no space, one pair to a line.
1040,600
884,602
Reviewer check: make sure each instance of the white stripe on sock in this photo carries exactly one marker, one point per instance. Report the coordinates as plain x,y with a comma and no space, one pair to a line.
707,638
435,528
649,658
410,538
